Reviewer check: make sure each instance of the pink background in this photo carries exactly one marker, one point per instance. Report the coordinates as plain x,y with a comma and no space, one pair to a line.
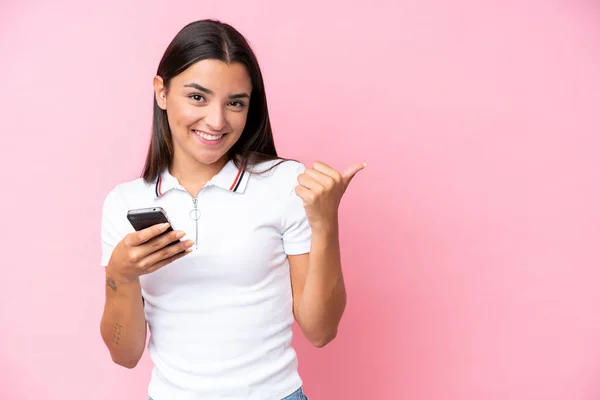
471,242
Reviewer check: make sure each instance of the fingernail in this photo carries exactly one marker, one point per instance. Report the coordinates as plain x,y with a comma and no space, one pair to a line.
180,234
364,164
165,225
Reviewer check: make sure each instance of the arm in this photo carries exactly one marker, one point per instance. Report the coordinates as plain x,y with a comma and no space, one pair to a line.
318,289
123,325
317,280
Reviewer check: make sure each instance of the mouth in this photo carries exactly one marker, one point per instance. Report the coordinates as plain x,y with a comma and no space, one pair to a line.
208,137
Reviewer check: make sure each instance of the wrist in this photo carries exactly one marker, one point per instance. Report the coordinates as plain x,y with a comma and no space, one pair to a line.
325,228
325,232
120,278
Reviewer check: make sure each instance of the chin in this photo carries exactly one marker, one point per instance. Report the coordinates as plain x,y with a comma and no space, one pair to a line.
209,159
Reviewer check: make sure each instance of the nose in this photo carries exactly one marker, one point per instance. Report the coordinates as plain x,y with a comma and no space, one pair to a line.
215,119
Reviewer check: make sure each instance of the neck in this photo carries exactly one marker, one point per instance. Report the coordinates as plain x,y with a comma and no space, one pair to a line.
193,175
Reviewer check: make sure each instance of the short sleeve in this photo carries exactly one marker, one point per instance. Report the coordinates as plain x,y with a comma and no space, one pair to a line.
112,232
295,230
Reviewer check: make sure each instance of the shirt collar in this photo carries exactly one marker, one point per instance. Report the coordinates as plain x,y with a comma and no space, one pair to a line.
230,178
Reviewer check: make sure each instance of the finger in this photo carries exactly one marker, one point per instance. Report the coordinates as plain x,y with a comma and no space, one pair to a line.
165,253
305,194
309,182
351,171
141,237
327,181
158,242
154,244
328,171
167,261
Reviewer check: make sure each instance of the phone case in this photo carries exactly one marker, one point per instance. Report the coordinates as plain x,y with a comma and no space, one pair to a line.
144,218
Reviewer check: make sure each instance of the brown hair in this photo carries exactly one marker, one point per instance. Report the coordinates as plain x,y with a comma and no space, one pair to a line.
212,39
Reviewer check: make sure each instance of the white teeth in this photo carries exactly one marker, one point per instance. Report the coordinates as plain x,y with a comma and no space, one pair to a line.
207,136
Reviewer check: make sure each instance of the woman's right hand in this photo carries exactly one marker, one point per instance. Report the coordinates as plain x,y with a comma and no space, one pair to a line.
145,251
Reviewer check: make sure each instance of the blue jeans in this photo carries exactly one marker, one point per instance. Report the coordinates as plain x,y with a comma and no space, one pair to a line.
297,395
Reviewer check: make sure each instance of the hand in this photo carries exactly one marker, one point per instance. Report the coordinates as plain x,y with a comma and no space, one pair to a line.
146,251
321,188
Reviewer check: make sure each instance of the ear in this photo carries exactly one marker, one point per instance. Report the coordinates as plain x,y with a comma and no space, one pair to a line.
160,92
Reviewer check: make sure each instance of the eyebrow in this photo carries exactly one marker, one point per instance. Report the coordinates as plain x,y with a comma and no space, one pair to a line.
208,91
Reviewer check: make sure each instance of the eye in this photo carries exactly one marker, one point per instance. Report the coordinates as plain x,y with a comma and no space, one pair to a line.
196,97
237,104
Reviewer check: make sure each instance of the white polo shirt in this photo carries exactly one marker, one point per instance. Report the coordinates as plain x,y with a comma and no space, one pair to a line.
221,317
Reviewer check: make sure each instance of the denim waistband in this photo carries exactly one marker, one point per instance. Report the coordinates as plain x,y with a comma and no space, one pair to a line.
297,395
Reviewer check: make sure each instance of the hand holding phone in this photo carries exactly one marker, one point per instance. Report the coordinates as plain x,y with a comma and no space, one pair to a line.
154,245
144,218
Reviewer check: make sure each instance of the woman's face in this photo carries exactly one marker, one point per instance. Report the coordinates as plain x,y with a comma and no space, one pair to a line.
207,105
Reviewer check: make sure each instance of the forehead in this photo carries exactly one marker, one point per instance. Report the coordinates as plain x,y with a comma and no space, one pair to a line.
216,75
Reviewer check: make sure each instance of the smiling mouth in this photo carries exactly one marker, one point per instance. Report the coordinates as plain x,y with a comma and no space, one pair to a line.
207,136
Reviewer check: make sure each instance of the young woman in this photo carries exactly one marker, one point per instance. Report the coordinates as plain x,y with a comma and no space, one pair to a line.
258,236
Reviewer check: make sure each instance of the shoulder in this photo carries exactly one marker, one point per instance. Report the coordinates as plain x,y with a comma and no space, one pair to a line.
277,173
277,169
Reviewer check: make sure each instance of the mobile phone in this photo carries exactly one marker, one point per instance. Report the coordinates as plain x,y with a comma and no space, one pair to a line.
143,218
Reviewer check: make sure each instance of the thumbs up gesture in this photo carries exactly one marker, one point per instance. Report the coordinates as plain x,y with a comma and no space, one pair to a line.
321,189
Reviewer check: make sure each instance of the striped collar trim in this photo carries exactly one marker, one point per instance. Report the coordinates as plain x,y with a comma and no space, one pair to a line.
230,178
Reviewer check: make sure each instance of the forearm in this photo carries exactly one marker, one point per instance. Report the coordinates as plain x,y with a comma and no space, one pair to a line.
324,296
123,325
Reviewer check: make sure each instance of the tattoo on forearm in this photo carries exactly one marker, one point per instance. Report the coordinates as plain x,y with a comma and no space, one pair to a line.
117,333
111,283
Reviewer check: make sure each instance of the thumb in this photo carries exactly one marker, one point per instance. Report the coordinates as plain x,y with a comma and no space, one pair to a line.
350,172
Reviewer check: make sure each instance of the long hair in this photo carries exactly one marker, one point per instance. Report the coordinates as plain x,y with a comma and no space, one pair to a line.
212,39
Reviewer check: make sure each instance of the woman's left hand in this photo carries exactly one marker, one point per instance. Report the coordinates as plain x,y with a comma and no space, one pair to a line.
321,188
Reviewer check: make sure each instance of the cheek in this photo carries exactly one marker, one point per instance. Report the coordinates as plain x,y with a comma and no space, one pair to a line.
182,115
238,121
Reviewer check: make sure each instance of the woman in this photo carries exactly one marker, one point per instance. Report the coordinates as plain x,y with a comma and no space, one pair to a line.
219,303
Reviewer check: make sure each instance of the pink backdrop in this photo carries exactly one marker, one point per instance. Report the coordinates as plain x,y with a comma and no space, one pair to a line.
471,242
